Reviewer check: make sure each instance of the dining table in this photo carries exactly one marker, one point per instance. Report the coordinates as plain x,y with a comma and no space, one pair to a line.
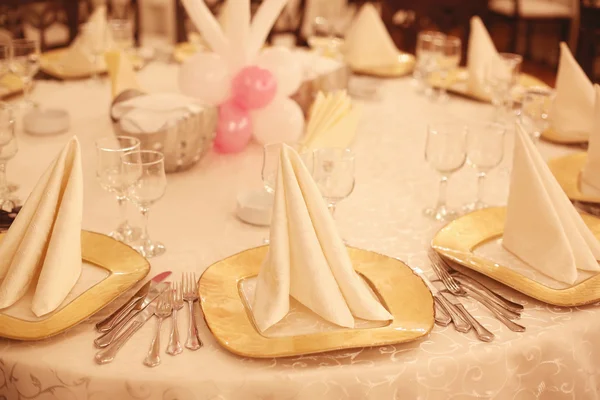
557,357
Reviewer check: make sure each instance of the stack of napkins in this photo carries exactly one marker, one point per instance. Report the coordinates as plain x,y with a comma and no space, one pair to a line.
542,227
480,54
333,121
368,44
78,59
154,112
42,248
590,176
571,113
307,259
121,72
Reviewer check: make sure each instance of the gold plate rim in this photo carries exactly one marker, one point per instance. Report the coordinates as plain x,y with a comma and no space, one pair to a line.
457,240
404,66
228,319
12,90
552,136
567,171
126,267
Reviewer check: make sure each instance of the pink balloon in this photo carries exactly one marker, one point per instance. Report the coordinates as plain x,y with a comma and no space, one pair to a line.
253,87
234,129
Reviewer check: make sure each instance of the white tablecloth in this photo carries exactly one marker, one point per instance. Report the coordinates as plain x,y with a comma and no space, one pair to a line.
558,357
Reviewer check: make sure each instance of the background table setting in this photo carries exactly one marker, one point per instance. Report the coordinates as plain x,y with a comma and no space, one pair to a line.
346,221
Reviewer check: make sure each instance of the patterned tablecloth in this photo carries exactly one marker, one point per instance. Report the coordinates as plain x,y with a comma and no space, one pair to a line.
558,357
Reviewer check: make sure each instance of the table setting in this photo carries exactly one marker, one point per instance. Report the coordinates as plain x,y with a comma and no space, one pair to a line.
411,244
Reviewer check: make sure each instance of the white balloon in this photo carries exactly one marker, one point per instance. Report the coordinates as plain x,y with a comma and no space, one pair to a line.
205,76
280,121
285,66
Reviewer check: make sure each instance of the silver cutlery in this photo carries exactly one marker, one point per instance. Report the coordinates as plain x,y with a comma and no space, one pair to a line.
108,354
163,310
481,332
108,337
494,309
190,295
112,320
442,317
174,347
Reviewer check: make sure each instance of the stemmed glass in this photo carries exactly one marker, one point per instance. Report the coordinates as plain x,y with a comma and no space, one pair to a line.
4,59
500,77
144,173
270,164
109,174
96,36
334,174
485,151
121,33
447,62
535,108
427,51
25,63
8,149
445,151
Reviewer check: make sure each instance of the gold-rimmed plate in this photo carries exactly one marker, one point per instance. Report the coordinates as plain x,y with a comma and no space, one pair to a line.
50,64
567,171
573,138
109,266
228,317
404,66
10,85
461,239
185,50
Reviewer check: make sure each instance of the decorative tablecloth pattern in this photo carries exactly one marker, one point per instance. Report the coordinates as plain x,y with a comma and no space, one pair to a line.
558,357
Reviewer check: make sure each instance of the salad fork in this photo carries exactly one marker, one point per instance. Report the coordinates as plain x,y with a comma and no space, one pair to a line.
163,310
174,347
190,295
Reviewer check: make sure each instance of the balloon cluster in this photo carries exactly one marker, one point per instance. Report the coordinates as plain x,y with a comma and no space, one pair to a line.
252,92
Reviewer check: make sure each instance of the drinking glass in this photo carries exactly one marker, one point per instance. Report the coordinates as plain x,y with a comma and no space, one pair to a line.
447,61
25,63
485,151
109,172
96,37
322,38
144,173
121,33
535,108
334,174
445,151
501,76
426,51
270,164
8,149
4,59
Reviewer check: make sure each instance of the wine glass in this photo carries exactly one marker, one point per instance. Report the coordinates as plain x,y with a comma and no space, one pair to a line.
535,108
144,173
500,78
8,149
447,61
270,164
426,53
445,151
121,33
96,38
485,151
25,63
334,174
110,176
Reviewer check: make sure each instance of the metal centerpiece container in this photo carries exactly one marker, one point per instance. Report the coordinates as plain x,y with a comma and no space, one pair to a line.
329,82
183,143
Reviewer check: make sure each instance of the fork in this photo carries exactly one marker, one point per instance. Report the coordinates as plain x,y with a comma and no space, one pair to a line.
163,310
443,274
193,341
174,347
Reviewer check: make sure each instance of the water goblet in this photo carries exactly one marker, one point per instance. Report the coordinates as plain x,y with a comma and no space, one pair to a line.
485,151
25,63
535,109
109,172
8,149
270,164
426,52
501,76
96,37
121,33
448,58
445,151
333,173
144,173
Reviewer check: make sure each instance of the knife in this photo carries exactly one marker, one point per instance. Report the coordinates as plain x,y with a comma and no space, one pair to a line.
109,322
109,336
108,354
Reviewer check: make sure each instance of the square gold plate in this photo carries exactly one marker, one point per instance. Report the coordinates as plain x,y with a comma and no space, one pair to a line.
126,268
404,294
404,66
10,85
50,64
458,240
552,136
567,171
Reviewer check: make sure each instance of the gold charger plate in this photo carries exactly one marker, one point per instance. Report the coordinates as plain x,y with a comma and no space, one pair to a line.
567,171
404,294
50,64
185,50
10,85
458,240
551,135
404,66
126,268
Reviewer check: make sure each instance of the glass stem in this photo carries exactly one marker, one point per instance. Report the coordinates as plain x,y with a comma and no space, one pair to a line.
3,182
26,89
480,186
442,192
331,208
444,84
145,236
122,202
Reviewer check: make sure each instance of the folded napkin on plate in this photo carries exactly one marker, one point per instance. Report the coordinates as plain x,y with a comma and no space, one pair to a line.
78,58
43,245
307,259
153,112
590,175
480,54
571,113
333,121
368,44
542,227
121,72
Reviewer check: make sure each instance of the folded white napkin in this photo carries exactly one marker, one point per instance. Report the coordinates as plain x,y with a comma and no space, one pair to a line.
480,54
542,226
333,121
307,259
153,112
590,175
121,72
571,113
44,241
368,44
